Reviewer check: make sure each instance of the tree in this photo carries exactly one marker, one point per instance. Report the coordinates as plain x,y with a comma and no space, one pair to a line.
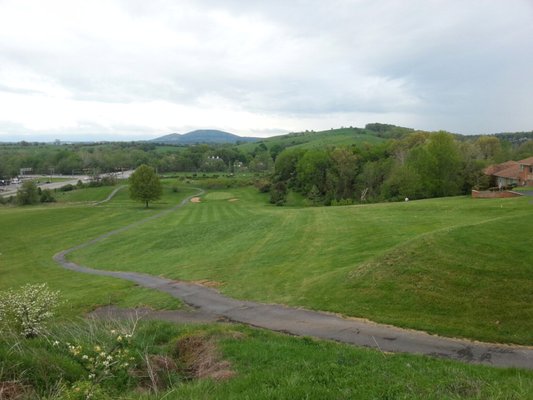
343,173
278,193
312,170
402,182
145,185
489,146
27,194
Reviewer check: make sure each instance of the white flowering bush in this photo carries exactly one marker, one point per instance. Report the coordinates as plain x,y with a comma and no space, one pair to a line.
110,359
28,309
104,360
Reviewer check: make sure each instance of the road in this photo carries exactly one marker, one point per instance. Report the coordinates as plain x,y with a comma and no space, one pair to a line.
11,190
297,321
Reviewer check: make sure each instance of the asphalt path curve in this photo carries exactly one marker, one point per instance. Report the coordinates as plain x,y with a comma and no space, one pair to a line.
301,322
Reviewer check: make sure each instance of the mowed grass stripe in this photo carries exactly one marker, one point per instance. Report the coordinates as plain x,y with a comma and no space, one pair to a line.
213,213
191,213
310,257
224,211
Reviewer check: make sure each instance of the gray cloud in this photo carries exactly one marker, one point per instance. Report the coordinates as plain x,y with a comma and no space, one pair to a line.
460,66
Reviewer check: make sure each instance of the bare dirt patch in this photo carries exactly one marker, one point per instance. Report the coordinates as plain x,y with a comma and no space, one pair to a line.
208,283
195,200
233,200
13,390
201,359
157,372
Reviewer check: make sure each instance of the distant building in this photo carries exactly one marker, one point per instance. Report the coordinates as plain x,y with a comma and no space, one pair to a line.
511,173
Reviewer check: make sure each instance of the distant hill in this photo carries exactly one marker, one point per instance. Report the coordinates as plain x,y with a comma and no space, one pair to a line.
319,139
512,137
202,136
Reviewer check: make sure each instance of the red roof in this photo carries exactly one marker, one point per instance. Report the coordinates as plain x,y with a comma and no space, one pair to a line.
526,161
493,169
512,172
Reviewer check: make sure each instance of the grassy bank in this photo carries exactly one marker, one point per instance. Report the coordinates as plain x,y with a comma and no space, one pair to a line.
30,236
453,266
256,364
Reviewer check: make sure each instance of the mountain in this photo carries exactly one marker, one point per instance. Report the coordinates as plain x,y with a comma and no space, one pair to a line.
202,136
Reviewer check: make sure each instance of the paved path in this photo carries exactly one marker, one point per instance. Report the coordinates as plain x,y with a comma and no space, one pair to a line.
296,321
111,195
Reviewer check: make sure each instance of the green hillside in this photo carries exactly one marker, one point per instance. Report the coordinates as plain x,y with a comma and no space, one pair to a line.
312,139
452,266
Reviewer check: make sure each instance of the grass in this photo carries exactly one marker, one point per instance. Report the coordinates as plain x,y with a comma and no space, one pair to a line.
307,140
452,266
267,366
30,236
90,194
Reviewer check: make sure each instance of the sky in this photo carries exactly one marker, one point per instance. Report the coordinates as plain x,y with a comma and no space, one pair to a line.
136,69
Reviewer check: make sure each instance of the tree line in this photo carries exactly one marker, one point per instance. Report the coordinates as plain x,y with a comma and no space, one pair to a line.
94,159
412,164
417,165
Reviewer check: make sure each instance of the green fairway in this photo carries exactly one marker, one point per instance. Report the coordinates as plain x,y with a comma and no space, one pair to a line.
453,266
30,236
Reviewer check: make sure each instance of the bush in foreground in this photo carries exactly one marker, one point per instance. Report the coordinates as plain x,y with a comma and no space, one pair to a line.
27,309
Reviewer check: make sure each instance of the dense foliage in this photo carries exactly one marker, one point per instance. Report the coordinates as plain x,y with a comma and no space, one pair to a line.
378,163
417,165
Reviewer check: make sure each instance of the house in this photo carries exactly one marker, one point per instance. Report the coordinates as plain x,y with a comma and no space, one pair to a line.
526,171
511,173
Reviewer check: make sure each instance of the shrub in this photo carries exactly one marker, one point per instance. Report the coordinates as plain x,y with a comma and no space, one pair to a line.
263,185
47,197
28,194
67,188
27,309
108,180
278,193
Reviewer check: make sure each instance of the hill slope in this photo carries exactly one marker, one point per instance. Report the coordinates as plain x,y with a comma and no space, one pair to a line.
202,136
312,139
365,261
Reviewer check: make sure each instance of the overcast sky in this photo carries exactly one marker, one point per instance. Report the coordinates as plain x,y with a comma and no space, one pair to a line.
138,69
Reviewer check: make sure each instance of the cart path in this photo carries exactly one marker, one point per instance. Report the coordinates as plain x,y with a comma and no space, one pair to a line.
111,195
211,305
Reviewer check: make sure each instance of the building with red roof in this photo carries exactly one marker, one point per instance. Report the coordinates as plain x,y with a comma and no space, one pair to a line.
519,173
